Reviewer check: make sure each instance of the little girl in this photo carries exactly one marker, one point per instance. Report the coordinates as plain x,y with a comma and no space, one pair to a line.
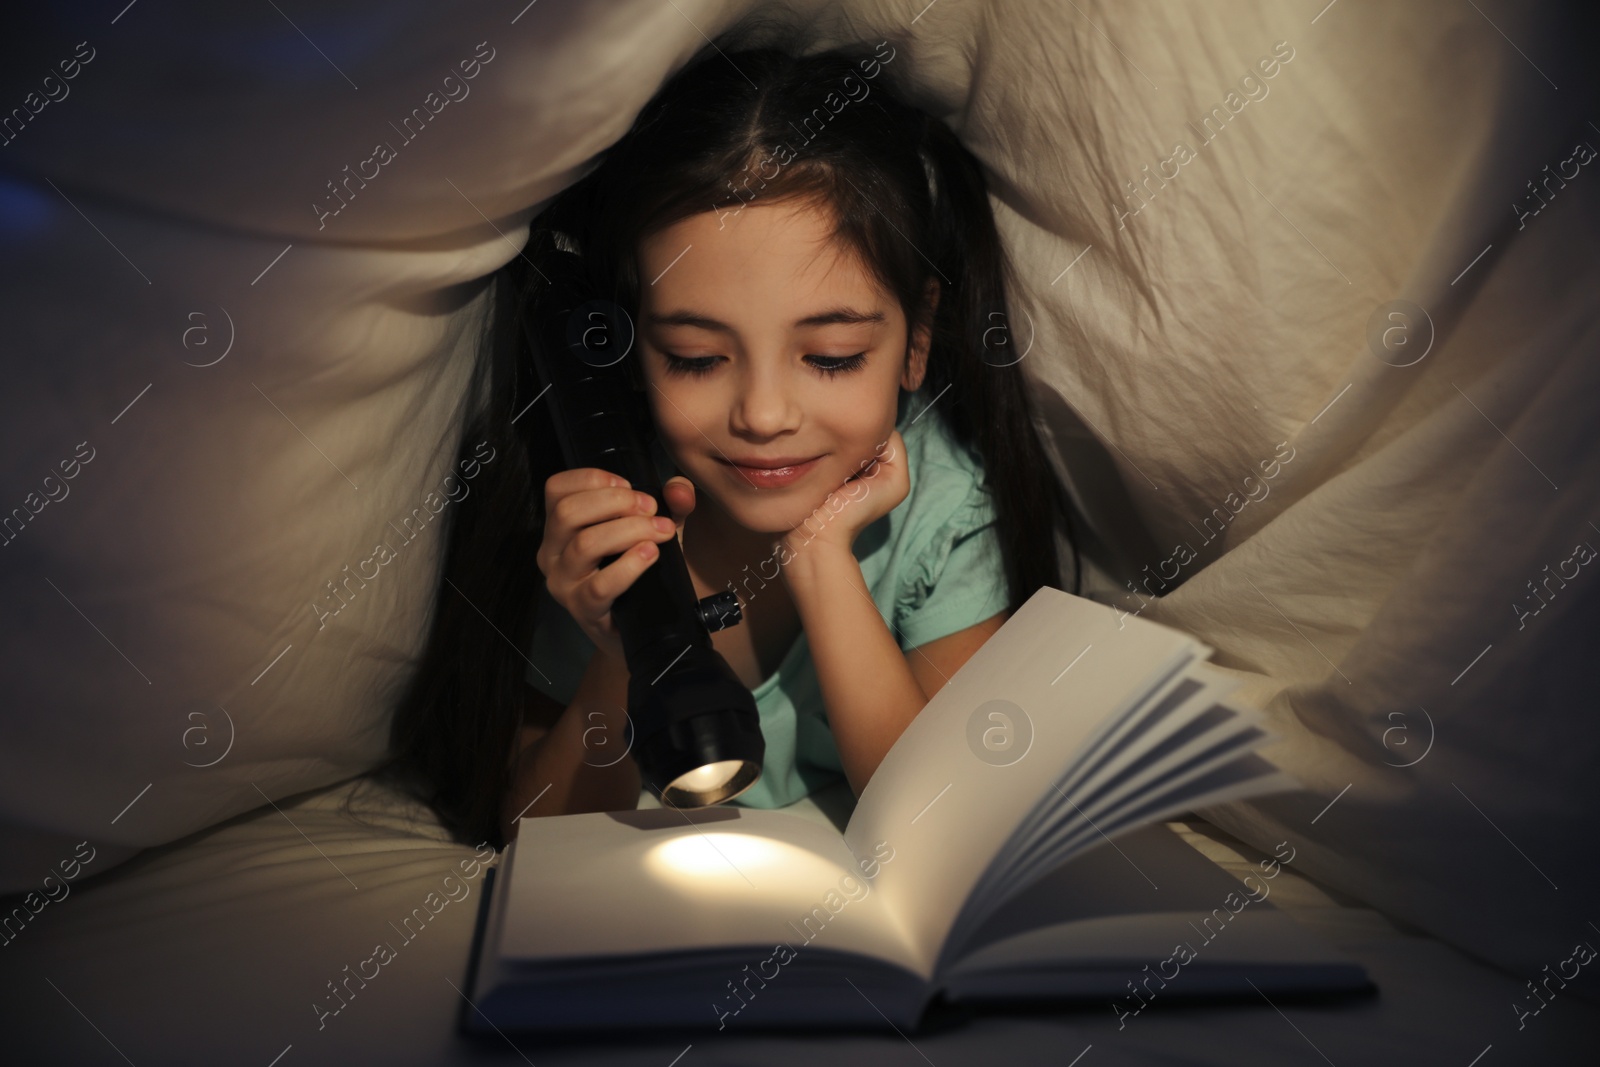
818,292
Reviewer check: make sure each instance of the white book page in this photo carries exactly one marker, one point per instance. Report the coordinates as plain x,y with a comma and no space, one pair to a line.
635,883
1113,745
1198,688
1226,778
1030,851
1193,708
960,780
1091,924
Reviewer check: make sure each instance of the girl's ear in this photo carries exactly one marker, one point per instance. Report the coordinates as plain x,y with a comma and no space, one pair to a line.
921,339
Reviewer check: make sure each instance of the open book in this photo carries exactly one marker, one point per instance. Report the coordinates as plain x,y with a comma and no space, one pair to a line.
970,869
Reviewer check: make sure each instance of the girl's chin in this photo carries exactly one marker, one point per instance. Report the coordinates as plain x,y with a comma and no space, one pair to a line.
767,520
775,516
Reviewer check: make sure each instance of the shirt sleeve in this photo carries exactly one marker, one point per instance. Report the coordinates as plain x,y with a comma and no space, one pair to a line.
958,579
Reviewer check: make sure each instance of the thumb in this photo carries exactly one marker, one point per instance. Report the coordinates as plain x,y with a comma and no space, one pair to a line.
679,492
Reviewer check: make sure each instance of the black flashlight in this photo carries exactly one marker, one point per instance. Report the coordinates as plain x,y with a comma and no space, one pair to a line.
696,731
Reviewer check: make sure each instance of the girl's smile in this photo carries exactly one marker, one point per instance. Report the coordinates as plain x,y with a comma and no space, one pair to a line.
771,474
774,359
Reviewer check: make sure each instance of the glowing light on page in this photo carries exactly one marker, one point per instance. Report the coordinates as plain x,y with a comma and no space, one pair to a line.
704,860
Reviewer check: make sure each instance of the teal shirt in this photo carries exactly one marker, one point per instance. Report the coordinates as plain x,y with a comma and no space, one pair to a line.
934,567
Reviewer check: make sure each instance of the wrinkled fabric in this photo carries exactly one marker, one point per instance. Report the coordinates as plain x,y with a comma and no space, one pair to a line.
1208,262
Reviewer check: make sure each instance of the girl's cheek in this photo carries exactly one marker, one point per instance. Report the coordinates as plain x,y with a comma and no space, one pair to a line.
669,418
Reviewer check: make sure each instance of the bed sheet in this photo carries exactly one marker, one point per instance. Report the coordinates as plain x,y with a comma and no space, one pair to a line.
215,950
255,390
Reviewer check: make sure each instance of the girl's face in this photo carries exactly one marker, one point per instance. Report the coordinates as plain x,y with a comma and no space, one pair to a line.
765,345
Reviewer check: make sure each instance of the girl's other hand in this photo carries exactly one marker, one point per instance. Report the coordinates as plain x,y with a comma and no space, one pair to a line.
877,487
591,514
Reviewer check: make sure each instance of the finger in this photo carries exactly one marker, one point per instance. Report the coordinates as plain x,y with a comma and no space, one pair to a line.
896,445
577,480
680,495
884,456
585,507
604,586
594,543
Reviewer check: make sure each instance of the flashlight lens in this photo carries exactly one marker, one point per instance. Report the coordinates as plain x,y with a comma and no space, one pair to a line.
711,776
710,784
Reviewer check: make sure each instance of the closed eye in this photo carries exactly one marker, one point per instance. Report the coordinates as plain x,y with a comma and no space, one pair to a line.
679,366
827,365
831,365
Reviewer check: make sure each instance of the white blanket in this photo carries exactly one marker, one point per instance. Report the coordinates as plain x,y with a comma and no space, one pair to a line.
220,394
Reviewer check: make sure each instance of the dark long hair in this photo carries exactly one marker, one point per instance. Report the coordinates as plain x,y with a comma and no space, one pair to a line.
732,127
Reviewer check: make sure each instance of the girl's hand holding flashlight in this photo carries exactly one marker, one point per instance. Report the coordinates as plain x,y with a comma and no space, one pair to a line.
591,514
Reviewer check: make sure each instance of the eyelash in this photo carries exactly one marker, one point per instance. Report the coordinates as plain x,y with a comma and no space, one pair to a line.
679,366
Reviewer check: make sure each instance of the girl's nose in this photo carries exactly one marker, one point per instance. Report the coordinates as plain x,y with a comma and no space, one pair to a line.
765,406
